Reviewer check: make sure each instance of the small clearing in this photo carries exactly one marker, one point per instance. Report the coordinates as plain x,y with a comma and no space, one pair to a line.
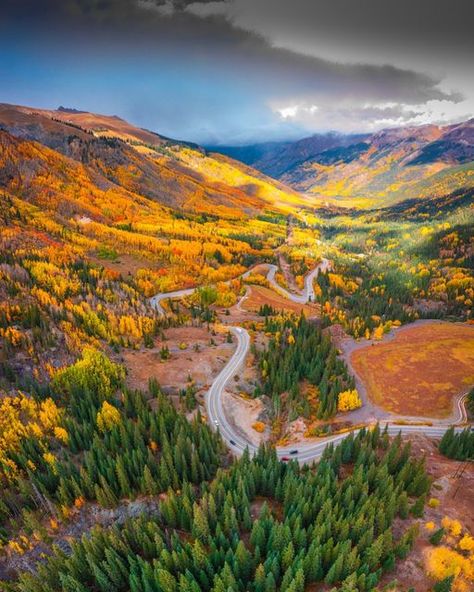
243,412
191,355
260,295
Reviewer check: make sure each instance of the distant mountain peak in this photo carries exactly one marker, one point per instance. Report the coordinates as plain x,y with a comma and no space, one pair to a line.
69,110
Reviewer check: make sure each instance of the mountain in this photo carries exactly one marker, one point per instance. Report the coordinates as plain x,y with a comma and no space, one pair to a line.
81,187
118,155
373,170
276,158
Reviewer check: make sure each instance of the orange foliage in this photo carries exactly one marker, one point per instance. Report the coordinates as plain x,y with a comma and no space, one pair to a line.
259,426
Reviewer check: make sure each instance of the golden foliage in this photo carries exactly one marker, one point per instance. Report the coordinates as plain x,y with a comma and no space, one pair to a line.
348,400
467,543
21,417
107,417
453,527
259,426
443,562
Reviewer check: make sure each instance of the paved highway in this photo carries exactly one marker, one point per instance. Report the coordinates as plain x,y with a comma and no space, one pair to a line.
308,292
156,300
306,452
306,296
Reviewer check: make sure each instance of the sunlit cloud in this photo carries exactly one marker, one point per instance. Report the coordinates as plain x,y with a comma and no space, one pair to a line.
435,111
296,111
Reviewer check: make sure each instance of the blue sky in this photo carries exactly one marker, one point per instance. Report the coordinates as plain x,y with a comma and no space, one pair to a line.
237,71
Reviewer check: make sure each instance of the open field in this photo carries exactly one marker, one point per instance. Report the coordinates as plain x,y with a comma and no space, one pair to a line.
124,264
420,370
260,295
184,361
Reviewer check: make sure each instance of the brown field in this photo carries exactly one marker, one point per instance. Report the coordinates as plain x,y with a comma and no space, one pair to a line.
260,295
172,374
124,264
420,370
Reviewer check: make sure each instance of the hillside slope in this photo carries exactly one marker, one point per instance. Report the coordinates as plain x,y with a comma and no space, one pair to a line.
373,170
173,173
277,158
133,202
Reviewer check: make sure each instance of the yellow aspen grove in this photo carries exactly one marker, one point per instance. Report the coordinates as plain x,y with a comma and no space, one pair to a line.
348,400
107,417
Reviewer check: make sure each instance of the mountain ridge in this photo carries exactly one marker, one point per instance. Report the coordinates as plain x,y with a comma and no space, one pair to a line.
173,173
384,167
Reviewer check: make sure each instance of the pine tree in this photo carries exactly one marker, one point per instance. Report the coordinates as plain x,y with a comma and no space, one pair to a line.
437,536
444,585
417,509
259,579
166,581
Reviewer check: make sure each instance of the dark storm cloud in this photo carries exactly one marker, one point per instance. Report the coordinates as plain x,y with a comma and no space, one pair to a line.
41,11
199,70
426,26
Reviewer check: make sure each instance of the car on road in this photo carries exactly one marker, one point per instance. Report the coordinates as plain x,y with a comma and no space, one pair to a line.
232,442
285,458
216,422
293,452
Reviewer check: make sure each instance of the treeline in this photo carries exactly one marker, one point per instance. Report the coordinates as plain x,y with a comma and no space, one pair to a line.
470,402
458,445
298,350
315,526
266,310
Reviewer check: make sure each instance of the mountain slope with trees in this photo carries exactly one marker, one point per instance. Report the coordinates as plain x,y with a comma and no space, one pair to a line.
372,169
173,173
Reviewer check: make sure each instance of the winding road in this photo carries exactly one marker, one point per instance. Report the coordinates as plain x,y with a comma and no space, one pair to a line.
156,300
308,291
305,452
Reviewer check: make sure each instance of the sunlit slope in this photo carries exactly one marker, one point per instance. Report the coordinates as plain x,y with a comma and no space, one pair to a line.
390,166
171,172
371,170
83,209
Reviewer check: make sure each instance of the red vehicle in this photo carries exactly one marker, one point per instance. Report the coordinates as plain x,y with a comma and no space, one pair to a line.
285,459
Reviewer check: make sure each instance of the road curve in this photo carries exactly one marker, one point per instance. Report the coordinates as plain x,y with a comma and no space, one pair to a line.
307,294
215,411
461,405
305,452
156,300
